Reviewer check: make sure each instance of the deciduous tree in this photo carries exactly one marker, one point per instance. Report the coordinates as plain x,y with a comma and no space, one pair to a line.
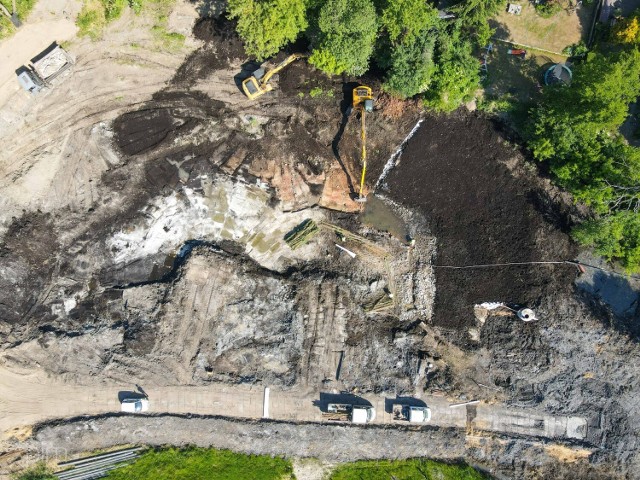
267,25
345,36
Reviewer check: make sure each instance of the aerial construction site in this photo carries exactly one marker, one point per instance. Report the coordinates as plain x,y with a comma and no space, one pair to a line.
287,263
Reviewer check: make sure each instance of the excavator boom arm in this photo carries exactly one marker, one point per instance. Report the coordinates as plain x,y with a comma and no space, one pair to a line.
363,137
280,66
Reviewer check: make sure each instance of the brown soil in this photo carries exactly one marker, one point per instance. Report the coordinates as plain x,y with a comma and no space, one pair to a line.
455,171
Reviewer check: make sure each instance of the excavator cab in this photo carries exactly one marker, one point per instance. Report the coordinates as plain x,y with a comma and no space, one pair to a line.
258,83
363,97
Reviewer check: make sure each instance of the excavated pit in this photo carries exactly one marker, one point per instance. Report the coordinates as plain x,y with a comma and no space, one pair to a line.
107,293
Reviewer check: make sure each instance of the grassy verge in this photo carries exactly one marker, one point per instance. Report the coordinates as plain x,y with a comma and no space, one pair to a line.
203,463
96,14
23,7
38,472
411,469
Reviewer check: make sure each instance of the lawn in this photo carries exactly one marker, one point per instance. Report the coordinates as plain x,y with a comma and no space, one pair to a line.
203,464
413,469
553,34
512,84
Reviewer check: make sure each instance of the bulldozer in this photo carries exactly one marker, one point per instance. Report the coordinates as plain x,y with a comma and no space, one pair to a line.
362,102
258,83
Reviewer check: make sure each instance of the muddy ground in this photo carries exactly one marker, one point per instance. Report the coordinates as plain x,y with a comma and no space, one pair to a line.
174,270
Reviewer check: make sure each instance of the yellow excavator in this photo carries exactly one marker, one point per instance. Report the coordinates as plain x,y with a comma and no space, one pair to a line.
363,102
258,83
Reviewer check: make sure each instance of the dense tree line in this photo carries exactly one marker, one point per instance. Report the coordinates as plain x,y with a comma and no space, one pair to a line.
576,131
419,52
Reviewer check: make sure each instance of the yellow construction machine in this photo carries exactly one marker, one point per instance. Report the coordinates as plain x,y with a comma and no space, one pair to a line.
363,102
258,83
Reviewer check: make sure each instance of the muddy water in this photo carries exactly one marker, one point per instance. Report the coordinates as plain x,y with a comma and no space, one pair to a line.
379,215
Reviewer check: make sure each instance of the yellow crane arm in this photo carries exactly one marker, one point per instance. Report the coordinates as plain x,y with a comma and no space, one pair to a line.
280,66
363,137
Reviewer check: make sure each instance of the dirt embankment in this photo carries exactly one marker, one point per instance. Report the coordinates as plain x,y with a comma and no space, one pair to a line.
199,162
484,208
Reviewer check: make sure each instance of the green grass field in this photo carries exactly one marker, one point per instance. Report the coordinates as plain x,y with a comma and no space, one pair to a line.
413,469
203,464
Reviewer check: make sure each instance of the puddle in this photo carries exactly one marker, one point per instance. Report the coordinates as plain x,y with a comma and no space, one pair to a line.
622,294
160,271
379,215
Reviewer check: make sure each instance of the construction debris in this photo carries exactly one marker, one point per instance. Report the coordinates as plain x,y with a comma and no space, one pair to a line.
302,234
380,303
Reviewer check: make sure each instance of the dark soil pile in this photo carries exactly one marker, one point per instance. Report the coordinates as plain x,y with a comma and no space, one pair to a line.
222,32
454,170
222,45
167,116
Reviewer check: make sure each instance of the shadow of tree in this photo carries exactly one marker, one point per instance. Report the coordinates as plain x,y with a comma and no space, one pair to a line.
209,8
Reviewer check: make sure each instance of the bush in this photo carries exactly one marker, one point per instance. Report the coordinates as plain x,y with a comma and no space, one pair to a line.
266,27
456,77
412,68
615,237
345,35
39,472
548,8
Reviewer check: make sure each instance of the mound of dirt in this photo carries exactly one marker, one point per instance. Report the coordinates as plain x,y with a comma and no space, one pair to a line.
462,175
222,31
168,116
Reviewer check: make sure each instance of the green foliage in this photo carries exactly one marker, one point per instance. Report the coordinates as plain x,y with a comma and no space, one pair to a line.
456,77
410,47
615,236
576,50
501,104
412,469
412,68
597,101
171,41
38,472
315,92
346,31
203,463
23,8
548,8
96,14
473,16
91,20
575,129
405,21
266,26
113,9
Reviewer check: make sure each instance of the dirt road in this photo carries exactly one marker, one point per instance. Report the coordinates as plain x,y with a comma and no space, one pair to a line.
31,399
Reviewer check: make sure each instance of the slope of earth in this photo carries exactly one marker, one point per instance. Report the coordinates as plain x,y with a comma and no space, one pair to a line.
174,269
151,249
459,172
485,206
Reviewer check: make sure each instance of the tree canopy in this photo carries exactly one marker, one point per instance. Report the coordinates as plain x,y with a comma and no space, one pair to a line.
575,129
345,38
266,26
405,21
